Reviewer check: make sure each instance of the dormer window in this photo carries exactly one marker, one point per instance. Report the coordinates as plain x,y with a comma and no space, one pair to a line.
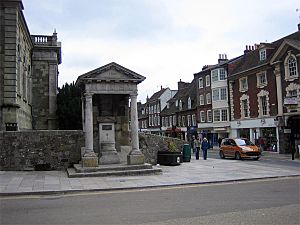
176,103
262,54
180,105
189,103
168,105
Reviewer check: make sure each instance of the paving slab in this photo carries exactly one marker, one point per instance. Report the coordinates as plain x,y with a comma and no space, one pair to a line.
194,172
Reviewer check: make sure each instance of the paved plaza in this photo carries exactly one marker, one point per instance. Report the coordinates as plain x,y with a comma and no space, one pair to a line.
194,172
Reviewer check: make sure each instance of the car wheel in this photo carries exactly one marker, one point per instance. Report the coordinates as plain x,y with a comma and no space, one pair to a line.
238,156
257,158
221,153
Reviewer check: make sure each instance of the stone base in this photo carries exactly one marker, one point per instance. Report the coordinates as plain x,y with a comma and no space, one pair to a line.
109,158
135,159
89,161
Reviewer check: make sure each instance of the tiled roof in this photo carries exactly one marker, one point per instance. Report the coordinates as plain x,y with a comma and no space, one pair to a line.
182,94
251,59
156,95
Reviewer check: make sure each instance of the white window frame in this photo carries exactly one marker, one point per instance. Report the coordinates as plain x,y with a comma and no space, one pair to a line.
217,113
223,93
222,74
189,120
183,121
262,54
202,116
174,120
208,98
263,110
194,121
214,75
262,79
224,115
200,82
201,99
215,94
243,110
243,83
207,80
287,67
209,116
189,103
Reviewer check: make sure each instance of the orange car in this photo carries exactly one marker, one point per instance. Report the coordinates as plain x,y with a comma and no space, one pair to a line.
239,148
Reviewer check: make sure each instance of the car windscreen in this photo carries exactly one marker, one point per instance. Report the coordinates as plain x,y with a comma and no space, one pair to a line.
243,142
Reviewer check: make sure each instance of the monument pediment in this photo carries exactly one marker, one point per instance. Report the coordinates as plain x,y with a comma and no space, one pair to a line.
111,72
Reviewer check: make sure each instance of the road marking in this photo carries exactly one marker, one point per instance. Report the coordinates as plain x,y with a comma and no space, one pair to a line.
159,188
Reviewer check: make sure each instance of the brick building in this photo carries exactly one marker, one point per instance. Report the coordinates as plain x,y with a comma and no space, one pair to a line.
259,83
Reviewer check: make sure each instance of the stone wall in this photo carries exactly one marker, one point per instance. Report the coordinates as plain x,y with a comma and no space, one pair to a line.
151,143
27,150
57,149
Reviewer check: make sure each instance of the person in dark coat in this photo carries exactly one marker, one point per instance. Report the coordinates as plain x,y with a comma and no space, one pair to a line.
197,147
219,141
204,147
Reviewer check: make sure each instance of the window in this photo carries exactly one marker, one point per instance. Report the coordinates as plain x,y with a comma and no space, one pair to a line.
209,116
224,114
263,103
245,108
222,74
179,121
183,121
200,82
189,103
243,84
180,105
189,121
208,98
202,116
201,100
220,94
292,69
293,93
262,54
264,107
167,121
207,79
223,93
170,121
214,75
194,122
174,120
262,79
163,124
158,118
217,115
215,94
176,103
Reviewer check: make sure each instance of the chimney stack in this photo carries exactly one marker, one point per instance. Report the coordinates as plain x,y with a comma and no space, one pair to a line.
222,58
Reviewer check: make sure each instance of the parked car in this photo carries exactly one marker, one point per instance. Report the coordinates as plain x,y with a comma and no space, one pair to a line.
239,148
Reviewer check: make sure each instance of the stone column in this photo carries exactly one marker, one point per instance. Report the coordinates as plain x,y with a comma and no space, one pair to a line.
135,156
89,158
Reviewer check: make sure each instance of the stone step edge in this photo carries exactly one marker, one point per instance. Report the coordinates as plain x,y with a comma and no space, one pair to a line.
79,169
72,173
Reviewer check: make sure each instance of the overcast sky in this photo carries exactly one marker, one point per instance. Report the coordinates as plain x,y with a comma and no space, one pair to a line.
163,40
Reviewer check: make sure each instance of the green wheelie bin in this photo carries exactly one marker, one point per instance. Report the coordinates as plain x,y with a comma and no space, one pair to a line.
186,153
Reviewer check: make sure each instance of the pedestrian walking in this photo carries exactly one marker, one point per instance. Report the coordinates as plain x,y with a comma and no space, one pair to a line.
219,141
204,147
197,147
261,143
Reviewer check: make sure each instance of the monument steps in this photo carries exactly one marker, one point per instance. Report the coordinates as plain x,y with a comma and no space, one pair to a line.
112,170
